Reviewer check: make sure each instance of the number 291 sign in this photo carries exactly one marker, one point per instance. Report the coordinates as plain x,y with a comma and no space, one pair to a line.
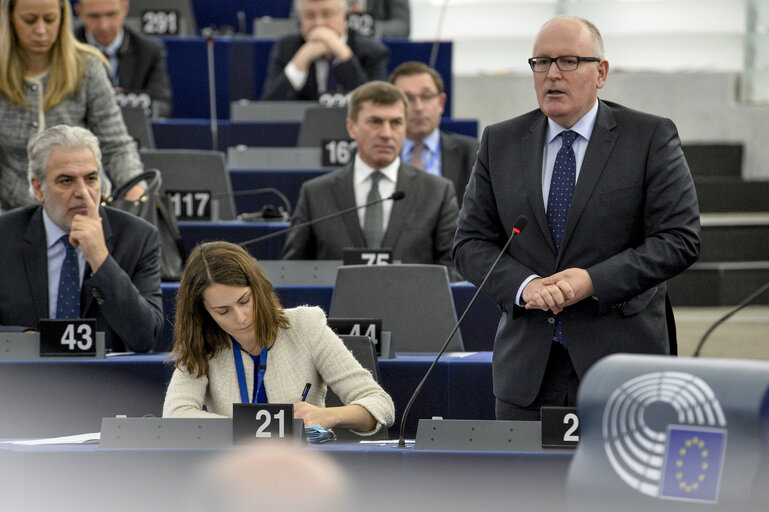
68,337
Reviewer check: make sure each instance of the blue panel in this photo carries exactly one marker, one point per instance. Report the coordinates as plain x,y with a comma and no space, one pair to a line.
222,13
288,182
196,133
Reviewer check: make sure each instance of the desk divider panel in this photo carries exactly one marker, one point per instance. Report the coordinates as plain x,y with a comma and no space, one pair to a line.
172,433
483,435
16,346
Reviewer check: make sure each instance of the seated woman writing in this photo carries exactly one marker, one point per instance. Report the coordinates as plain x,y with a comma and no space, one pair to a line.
229,321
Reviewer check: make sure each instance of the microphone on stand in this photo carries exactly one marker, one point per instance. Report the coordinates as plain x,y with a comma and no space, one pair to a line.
745,302
518,226
396,196
208,33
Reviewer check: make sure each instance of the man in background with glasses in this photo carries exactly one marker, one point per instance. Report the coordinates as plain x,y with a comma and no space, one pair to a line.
427,147
612,214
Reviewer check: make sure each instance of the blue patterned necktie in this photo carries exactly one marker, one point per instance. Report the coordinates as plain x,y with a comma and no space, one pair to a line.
373,223
68,303
559,200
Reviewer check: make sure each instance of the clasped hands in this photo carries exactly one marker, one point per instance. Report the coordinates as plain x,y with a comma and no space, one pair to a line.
556,292
322,42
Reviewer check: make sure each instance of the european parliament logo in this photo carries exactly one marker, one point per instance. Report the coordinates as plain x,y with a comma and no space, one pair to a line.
664,434
694,459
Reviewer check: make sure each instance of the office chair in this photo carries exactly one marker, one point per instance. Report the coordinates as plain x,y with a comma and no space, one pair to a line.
413,301
138,126
189,170
321,123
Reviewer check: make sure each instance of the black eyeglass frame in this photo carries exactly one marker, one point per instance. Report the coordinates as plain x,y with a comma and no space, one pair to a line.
533,60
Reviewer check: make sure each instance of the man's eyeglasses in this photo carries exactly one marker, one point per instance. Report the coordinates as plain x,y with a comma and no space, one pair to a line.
564,62
425,97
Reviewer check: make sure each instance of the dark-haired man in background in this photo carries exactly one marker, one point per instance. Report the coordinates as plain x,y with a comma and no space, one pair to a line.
426,146
138,63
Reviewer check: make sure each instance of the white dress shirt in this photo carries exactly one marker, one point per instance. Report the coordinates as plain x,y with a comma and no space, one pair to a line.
361,179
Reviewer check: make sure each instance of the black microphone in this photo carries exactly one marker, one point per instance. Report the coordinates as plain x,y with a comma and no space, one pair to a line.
745,302
396,196
518,226
268,212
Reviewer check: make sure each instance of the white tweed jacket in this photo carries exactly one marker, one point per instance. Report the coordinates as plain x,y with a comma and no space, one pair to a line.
308,351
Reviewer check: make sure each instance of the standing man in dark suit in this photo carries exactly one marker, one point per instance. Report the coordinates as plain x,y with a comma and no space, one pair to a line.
138,63
612,214
418,228
325,57
110,257
427,147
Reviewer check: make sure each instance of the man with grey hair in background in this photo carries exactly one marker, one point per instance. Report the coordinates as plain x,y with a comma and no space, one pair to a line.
325,57
68,257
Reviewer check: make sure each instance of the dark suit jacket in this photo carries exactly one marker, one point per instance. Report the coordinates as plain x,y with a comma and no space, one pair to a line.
393,17
369,62
142,68
457,157
632,224
123,296
420,230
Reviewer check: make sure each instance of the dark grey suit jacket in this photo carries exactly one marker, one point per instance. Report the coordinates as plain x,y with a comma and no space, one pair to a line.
142,68
633,223
457,157
393,17
369,62
421,227
123,296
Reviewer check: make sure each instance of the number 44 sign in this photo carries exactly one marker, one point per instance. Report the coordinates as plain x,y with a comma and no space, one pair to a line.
252,422
68,337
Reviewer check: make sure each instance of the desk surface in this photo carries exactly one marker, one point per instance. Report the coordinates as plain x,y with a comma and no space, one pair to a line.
382,478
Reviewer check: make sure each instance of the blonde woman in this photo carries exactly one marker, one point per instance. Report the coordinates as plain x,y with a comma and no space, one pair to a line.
48,78
229,323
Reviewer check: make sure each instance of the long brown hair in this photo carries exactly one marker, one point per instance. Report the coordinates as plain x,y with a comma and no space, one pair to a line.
197,336
67,66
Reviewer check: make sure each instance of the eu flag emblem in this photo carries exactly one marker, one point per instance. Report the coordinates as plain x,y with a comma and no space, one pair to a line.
694,458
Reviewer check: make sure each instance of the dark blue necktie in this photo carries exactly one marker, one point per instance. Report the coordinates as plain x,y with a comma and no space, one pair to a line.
68,303
331,84
559,200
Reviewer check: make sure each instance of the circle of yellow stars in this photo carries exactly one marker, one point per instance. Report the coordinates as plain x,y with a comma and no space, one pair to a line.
694,443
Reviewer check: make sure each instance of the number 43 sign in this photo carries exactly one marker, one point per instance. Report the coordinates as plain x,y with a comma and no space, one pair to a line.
61,337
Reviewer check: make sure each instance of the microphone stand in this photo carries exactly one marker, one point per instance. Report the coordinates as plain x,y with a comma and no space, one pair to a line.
395,197
209,35
745,302
519,224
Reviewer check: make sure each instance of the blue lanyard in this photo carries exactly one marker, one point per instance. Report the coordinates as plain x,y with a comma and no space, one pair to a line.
260,395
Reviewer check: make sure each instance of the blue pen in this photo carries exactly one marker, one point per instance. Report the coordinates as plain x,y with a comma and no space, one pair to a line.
306,390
